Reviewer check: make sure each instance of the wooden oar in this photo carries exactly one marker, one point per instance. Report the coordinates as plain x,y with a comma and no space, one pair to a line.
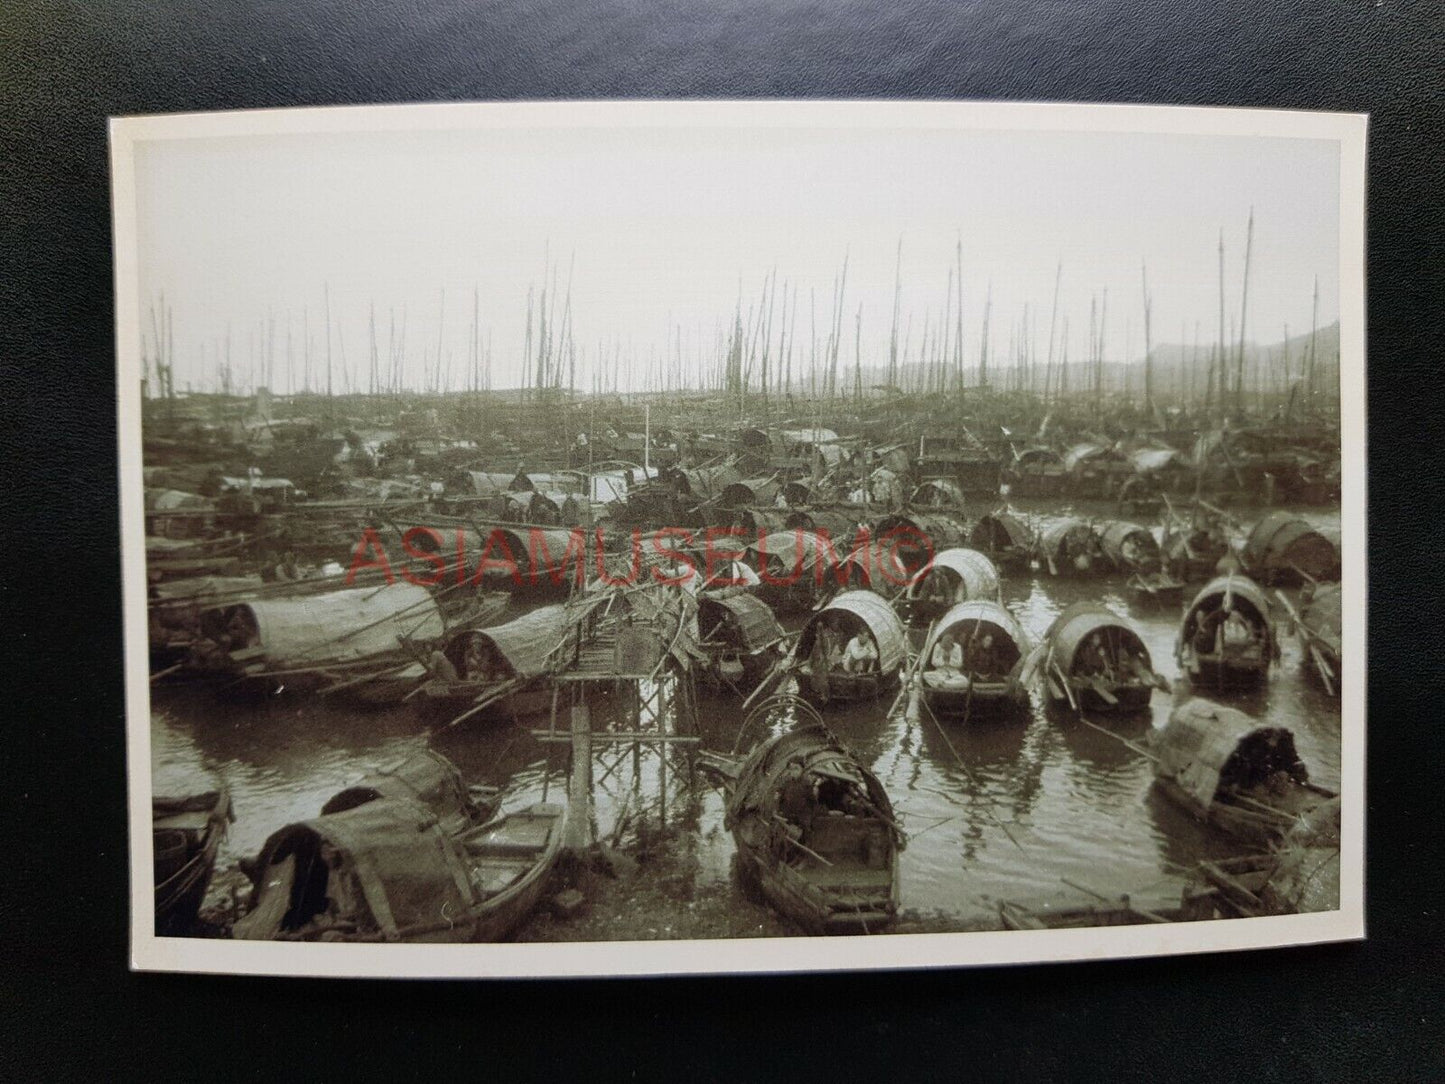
1135,746
801,847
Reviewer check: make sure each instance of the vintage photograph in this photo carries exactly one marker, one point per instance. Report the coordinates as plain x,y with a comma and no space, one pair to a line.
554,528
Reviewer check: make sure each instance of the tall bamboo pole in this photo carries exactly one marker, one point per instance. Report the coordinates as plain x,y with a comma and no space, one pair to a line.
1243,313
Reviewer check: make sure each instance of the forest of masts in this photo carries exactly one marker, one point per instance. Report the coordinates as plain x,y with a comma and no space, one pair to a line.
757,356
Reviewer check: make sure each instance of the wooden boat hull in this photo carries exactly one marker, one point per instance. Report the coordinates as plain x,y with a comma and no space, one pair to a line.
806,905
483,881
450,699
497,918
1127,698
1246,824
1015,916
1221,675
814,830
1161,592
979,699
180,892
841,688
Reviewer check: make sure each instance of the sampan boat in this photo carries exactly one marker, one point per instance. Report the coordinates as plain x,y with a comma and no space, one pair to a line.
1284,549
1232,773
825,672
1320,629
1227,639
1072,548
1133,551
1004,539
992,646
402,858
349,637
956,575
740,637
502,667
814,829
186,834
1094,661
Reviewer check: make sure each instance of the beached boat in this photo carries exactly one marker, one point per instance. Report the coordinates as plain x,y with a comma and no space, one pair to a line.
1004,539
990,649
1093,660
850,650
1072,548
956,575
814,829
740,637
1124,912
186,833
1284,549
1232,773
401,857
1227,639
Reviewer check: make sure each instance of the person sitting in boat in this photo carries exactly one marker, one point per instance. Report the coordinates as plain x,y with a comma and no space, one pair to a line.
860,656
1237,632
238,630
1094,658
981,658
480,661
1207,637
288,569
796,800
441,667
947,657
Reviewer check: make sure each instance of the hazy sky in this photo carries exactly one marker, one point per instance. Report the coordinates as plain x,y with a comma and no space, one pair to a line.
665,223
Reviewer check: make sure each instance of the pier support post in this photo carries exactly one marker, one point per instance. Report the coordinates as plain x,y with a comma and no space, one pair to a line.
579,814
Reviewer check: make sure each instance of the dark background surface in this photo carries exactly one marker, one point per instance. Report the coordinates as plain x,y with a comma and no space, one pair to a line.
71,1007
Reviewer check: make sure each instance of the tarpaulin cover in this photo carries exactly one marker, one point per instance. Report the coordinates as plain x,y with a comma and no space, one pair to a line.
426,778
169,500
386,865
343,626
1147,460
1072,535
1322,615
1282,541
940,492
1241,593
526,642
1129,545
999,531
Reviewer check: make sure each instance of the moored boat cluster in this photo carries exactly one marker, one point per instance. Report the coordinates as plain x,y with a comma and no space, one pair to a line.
796,569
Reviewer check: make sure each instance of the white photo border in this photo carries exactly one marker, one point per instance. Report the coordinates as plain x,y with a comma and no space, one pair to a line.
631,958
